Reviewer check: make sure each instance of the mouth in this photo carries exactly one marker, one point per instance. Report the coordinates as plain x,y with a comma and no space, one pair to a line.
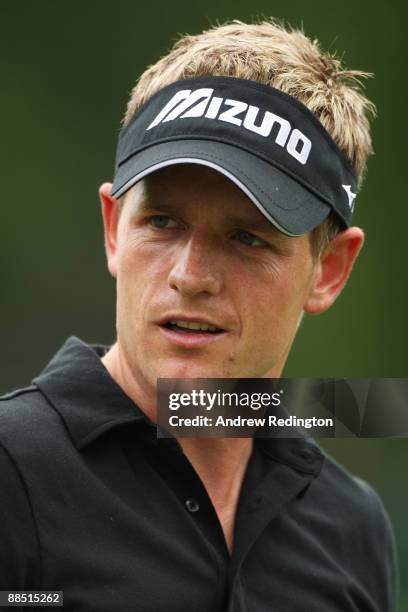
194,327
190,334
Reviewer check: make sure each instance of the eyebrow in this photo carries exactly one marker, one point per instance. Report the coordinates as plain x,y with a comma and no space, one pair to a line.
147,205
259,225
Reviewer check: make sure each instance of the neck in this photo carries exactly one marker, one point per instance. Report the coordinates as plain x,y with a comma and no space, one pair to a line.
142,394
220,463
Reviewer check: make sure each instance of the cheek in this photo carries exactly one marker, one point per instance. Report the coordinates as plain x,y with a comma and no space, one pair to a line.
140,261
140,272
270,299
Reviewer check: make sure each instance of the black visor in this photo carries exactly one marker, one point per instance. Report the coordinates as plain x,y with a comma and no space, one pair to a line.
269,144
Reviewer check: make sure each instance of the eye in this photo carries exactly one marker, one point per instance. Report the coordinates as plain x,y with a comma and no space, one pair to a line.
249,239
162,221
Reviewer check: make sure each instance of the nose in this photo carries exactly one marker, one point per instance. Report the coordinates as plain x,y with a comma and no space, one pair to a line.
197,267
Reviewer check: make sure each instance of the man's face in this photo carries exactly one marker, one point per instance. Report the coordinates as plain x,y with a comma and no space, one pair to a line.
190,246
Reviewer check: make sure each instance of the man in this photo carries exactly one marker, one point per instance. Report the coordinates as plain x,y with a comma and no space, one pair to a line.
228,218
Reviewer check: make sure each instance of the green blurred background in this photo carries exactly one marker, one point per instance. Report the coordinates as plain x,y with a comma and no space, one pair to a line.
68,68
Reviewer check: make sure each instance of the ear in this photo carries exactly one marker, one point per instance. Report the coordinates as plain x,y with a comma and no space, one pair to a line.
333,269
110,214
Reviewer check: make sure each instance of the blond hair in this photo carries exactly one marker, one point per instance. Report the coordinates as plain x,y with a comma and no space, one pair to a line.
284,58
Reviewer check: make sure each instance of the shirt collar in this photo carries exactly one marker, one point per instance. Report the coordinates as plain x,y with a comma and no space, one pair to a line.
80,388
90,402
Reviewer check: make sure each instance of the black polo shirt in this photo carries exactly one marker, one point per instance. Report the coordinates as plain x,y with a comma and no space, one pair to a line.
93,504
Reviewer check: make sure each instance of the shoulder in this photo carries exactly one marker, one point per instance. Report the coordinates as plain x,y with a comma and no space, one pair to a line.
352,504
31,430
354,516
19,400
352,496
19,544
24,412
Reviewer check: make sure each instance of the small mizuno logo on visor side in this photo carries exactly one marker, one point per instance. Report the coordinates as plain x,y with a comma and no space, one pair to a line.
351,196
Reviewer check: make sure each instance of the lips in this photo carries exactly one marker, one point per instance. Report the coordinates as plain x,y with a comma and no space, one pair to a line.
191,324
191,331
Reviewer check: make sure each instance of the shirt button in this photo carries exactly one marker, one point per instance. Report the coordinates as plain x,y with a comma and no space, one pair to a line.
192,505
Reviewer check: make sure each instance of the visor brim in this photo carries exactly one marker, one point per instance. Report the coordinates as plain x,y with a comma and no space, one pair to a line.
287,204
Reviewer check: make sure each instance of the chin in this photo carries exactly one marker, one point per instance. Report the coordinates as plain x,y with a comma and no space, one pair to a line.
190,368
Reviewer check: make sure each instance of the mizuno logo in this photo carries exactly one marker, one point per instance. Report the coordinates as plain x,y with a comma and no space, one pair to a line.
202,103
351,196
